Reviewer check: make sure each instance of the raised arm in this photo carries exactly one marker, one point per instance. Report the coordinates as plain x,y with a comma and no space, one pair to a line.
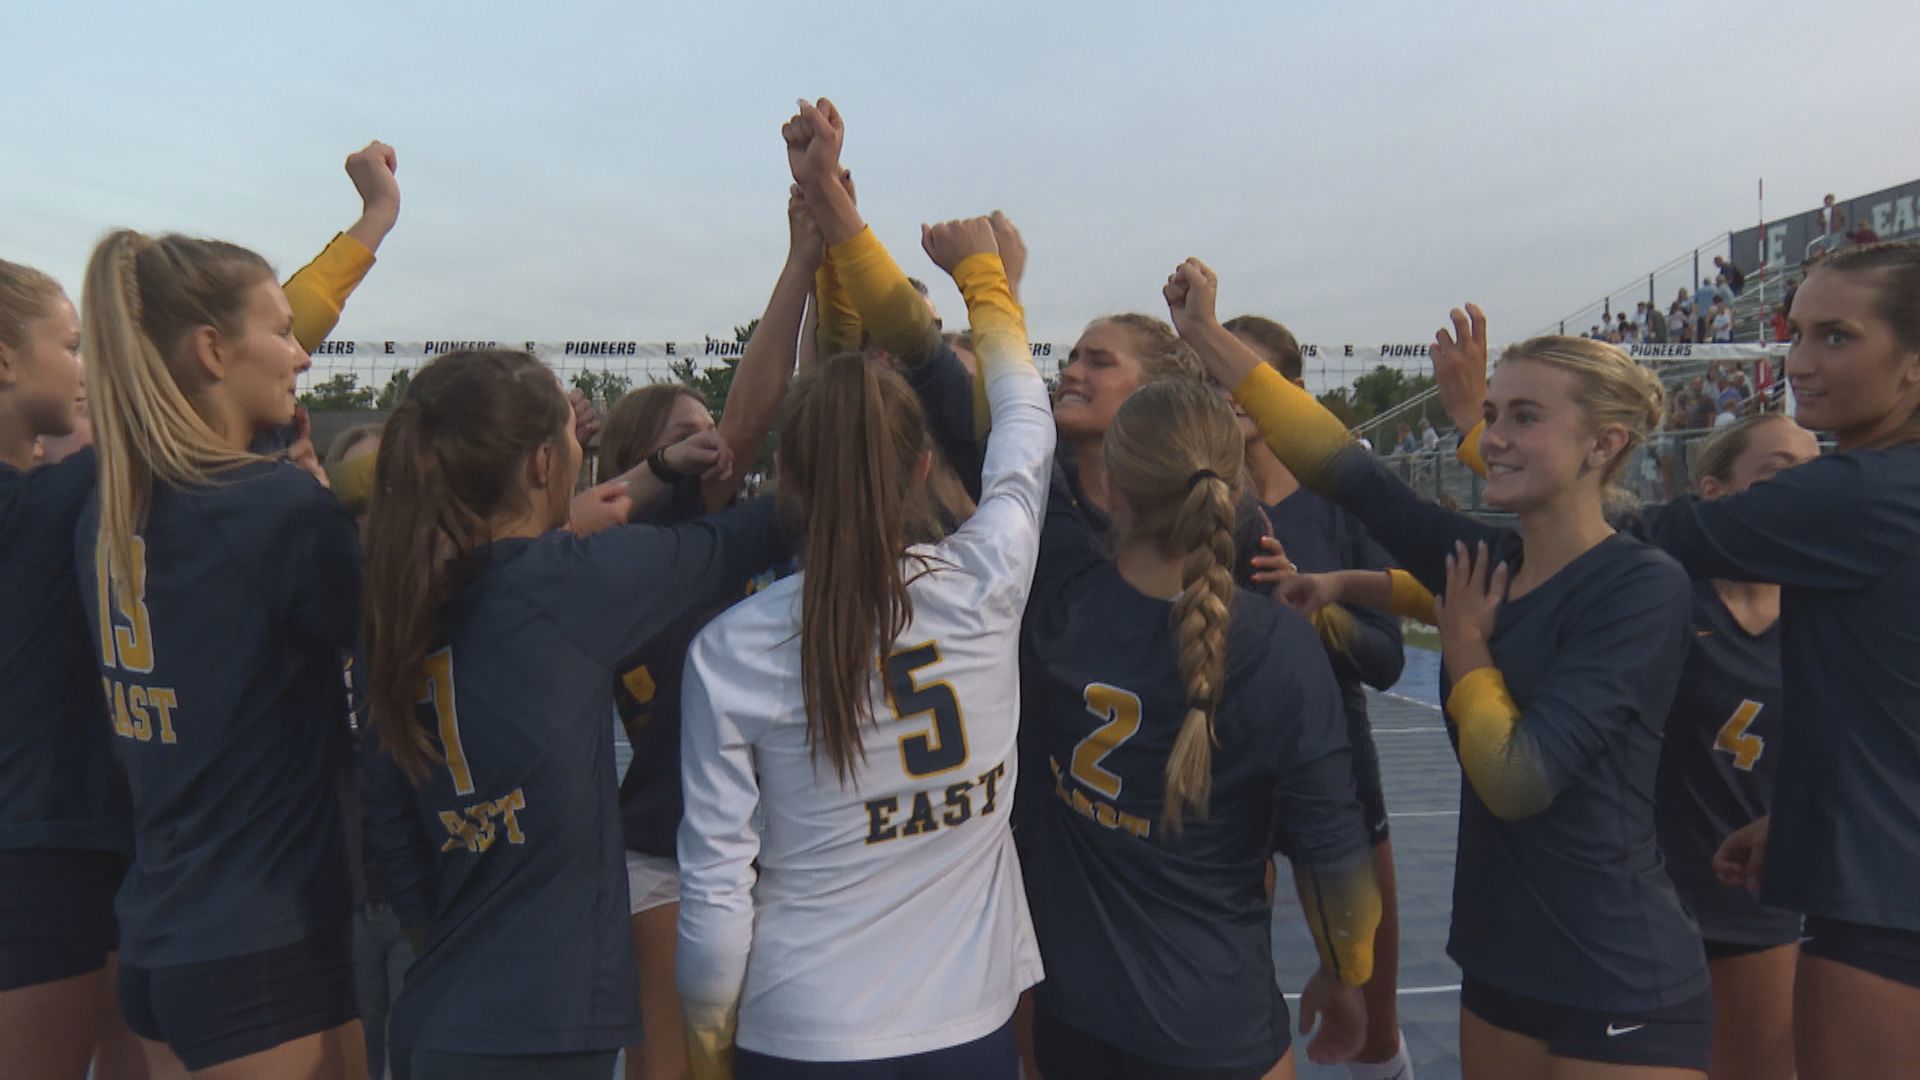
319,291
761,380
1003,534
1313,444
890,310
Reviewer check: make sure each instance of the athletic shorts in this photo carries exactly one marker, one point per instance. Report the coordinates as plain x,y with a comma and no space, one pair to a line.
56,914
1879,950
220,1010
992,1057
1733,950
652,882
1675,1037
1065,1052
440,1065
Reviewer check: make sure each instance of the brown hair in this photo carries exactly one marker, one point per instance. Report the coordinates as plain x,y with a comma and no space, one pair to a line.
450,460
1174,454
1163,355
635,423
1725,447
141,299
1281,348
1609,387
850,450
26,294
344,443
1895,266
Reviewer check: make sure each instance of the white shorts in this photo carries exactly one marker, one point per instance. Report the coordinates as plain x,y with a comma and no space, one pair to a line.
652,882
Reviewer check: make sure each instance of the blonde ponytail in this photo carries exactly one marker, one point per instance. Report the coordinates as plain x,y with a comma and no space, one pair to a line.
141,298
1174,454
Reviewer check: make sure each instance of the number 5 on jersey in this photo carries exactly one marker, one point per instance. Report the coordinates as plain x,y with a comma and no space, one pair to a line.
943,746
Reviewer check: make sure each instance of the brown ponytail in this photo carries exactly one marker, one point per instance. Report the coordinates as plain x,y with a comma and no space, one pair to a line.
1174,454
450,460
851,448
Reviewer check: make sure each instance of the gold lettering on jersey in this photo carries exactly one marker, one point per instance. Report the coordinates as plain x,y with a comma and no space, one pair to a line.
955,806
477,827
1099,811
135,708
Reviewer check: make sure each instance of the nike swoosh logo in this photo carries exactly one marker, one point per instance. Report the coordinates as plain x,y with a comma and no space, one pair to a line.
1613,1032
1703,633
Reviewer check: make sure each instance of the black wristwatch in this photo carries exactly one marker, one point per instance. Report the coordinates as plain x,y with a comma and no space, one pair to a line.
657,464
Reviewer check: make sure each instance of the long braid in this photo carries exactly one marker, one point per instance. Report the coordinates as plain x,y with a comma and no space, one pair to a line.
1199,619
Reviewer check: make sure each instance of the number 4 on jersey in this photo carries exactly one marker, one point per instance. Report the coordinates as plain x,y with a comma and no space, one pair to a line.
1734,739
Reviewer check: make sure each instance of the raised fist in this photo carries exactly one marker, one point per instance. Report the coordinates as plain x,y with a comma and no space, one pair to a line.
950,242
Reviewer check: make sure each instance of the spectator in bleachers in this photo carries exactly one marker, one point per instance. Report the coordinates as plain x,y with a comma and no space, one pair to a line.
1429,438
1832,224
1730,272
1625,329
1595,333
1781,331
1699,405
1722,323
1682,303
1863,233
1407,444
1727,395
1702,308
1657,332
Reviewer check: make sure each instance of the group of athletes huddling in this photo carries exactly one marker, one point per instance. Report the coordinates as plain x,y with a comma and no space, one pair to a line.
968,752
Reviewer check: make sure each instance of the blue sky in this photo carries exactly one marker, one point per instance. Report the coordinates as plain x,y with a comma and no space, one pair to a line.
615,170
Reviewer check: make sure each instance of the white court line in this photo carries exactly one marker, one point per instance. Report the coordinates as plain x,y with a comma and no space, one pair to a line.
1423,813
1409,730
1406,990
1411,700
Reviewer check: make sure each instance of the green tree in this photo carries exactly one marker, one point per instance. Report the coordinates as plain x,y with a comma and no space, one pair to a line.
603,385
1383,388
342,391
396,389
1339,402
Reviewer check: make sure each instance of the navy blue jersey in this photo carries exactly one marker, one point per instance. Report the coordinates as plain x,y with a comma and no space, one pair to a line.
1717,767
221,666
646,695
529,950
1319,537
1158,942
59,785
1571,905
1841,535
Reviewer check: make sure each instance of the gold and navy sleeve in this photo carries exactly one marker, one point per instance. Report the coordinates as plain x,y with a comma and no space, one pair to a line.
1468,452
890,309
839,319
1608,669
1315,447
319,291
1342,908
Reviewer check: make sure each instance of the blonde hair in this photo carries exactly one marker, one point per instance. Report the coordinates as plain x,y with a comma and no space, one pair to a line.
26,294
1725,447
1163,355
1174,455
141,299
1609,387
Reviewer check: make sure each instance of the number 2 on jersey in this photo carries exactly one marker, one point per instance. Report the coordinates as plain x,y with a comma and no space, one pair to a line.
436,689
1121,710
1734,739
943,746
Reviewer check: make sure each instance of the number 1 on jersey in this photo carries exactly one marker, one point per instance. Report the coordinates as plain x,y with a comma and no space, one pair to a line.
436,689
1733,738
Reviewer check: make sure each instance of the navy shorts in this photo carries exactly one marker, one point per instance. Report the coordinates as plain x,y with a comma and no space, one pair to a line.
1879,950
439,1065
1675,1037
220,1010
992,1057
56,914
1065,1052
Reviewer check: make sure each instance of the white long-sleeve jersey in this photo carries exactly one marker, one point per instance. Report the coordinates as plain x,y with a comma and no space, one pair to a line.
889,916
